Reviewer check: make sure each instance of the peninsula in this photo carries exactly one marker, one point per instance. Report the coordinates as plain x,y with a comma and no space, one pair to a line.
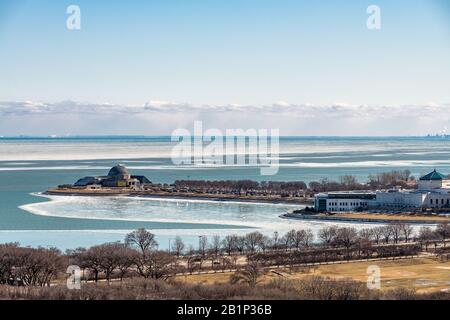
119,181
345,206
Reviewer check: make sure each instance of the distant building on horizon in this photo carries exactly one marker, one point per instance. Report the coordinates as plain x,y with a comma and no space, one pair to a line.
118,177
433,192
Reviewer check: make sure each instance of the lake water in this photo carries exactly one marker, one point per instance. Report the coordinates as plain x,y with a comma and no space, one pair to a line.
29,166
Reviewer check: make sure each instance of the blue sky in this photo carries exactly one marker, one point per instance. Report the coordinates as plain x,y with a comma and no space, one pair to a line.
201,53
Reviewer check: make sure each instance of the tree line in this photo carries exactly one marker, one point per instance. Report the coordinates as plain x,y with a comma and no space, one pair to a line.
384,180
138,255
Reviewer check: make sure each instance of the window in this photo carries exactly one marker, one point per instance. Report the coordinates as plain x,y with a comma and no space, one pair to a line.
431,201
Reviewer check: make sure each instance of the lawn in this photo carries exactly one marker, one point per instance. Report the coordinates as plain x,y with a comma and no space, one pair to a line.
396,217
424,274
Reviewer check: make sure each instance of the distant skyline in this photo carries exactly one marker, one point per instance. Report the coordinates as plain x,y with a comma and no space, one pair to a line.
149,67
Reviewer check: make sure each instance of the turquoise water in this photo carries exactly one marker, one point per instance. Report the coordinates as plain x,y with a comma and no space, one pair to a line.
32,165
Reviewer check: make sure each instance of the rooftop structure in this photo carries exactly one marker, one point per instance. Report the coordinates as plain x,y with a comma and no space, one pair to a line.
433,181
434,175
119,171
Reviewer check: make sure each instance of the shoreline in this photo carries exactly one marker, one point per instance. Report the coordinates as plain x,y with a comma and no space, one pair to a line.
355,219
184,196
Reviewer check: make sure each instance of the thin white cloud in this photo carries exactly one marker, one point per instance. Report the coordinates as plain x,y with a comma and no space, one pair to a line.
161,117
17,108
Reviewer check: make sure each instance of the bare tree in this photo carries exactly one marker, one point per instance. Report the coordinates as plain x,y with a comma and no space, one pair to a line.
426,235
253,240
142,239
110,257
229,243
90,259
156,264
296,239
377,233
349,181
7,261
35,267
160,262
366,234
407,231
151,263
396,229
265,243
346,237
327,235
331,289
125,259
289,240
240,244
443,230
215,245
202,245
307,238
275,239
386,232
250,275
178,246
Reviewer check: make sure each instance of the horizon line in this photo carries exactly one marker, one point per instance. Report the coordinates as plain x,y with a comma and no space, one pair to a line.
224,136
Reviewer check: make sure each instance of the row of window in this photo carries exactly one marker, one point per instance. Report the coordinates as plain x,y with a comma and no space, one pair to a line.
436,201
337,209
344,204
396,205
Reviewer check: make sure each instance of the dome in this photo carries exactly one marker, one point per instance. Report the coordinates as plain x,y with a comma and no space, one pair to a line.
118,170
434,175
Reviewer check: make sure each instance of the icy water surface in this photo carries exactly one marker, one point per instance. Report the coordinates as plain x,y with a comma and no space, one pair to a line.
32,165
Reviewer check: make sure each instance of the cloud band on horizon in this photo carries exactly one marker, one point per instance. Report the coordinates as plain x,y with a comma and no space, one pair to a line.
161,117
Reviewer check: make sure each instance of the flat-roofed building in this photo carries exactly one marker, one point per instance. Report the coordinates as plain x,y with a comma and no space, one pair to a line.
343,201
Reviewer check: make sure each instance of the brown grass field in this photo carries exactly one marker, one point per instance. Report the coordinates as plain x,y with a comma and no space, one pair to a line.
422,274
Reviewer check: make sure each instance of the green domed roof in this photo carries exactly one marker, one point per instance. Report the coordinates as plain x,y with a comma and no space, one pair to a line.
434,175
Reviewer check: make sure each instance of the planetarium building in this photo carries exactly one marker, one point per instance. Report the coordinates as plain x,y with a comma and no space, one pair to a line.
118,177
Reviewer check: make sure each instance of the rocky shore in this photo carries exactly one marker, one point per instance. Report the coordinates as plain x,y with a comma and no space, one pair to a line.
368,218
127,192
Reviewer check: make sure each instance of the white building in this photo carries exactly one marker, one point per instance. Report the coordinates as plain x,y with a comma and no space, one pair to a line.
398,199
343,201
433,192
434,181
